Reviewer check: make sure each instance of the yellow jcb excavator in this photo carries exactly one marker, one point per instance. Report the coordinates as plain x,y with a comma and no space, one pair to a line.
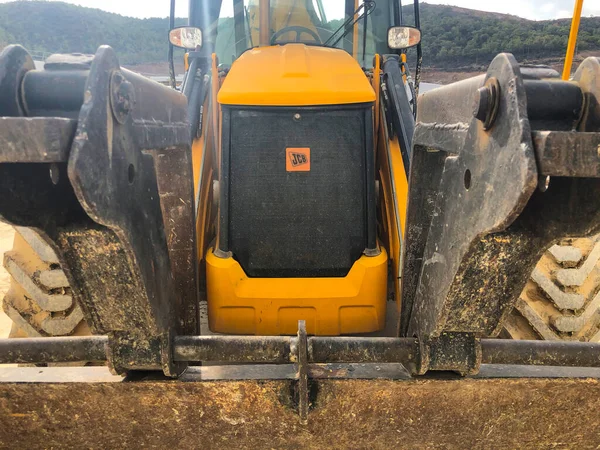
291,251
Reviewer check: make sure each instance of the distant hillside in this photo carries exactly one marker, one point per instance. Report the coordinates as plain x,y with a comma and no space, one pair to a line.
452,36
456,37
65,28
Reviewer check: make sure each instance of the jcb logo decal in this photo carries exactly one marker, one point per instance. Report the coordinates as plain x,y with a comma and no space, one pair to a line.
297,159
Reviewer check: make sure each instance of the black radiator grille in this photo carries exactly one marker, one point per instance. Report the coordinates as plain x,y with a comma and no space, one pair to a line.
301,223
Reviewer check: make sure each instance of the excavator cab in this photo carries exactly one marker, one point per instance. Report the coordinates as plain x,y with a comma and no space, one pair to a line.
230,27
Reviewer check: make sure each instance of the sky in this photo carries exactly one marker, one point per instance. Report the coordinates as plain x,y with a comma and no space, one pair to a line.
530,9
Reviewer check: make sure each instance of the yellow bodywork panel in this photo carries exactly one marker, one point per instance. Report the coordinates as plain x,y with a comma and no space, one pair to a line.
395,181
394,201
355,303
205,165
295,75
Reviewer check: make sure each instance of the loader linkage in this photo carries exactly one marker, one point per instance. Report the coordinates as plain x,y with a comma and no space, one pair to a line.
511,162
97,160
82,140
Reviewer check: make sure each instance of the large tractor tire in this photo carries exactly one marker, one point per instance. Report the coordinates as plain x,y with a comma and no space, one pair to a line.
39,300
561,300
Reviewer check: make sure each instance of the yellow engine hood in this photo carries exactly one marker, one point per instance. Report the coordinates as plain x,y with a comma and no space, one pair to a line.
295,75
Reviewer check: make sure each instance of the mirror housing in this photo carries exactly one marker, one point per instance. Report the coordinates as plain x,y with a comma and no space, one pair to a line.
188,38
400,38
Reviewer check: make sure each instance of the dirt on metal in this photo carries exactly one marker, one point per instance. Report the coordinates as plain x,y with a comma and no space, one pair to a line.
348,414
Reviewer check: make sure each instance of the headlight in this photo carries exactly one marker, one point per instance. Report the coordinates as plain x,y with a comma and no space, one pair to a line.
186,37
400,38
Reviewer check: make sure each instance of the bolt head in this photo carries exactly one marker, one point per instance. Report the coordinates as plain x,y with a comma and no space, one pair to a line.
482,103
122,98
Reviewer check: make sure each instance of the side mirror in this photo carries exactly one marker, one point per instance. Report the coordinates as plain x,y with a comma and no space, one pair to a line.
400,38
186,37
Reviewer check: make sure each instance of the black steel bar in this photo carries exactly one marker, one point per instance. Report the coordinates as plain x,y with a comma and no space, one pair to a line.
419,53
53,350
540,353
282,350
172,80
302,349
567,154
399,106
397,13
53,93
417,14
223,238
240,27
371,195
190,80
553,100
204,14
196,99
362,350
36,140
257,349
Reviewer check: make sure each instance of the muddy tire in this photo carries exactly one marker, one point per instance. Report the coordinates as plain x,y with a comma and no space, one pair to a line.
561,300
39,301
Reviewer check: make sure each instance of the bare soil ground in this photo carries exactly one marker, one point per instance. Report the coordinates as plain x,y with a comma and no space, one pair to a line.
157,68
440,75
6,240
